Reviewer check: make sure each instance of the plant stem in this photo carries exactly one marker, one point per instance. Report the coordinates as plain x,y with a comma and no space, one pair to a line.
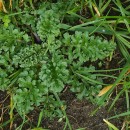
63,110
11,111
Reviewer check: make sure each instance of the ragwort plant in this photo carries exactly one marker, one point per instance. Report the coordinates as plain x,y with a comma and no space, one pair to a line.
35,74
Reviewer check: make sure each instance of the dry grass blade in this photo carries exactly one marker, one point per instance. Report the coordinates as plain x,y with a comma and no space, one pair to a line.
11,112
96,9
2,7
110,125
10,4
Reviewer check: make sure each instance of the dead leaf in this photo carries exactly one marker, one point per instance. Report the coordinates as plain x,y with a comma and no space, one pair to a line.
10,4
127,72
105,90
2,7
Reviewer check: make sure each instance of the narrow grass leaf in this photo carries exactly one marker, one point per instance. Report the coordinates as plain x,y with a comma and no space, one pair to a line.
85,24
124,50
116,99
40,118
110,124
105,6
120,115
127,99
123,40
91,80
40,128
81,129
6,123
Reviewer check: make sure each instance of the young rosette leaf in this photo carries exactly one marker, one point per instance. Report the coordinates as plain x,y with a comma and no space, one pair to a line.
27,95
26,98
54,73
81,47
29,56
48,25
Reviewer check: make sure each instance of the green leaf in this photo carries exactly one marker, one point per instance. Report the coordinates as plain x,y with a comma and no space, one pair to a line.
6,21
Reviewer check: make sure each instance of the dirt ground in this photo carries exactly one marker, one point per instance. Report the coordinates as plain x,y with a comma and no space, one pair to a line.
79,114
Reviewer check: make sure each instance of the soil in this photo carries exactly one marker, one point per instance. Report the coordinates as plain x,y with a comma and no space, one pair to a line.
78,112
